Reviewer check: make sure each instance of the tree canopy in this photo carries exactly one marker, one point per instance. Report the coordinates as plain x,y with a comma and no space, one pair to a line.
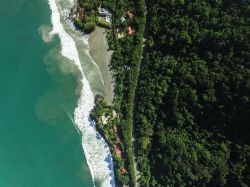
193,109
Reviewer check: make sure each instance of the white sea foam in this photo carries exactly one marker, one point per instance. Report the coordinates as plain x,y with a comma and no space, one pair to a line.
95,148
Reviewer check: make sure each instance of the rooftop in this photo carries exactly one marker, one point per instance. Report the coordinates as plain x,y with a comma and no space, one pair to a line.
130,14
130,30
103,12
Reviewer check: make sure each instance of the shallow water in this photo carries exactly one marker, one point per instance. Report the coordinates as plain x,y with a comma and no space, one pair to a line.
39,143
96,150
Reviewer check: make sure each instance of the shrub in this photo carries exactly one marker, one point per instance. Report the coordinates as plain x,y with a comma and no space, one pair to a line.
103,23
78,23
89,27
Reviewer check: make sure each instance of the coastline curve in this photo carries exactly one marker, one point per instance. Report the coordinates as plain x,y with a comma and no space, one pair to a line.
95,148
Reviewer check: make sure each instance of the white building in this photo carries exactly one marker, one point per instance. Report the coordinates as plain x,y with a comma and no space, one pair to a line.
103,12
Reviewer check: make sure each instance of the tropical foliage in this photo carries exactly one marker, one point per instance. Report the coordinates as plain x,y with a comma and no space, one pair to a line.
193,108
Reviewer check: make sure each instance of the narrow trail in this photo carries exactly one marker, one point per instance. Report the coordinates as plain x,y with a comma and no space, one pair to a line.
136,166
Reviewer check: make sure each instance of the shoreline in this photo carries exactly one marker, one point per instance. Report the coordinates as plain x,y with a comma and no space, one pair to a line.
95,148
99,51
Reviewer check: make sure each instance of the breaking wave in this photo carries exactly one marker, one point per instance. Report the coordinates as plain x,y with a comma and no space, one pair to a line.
95,148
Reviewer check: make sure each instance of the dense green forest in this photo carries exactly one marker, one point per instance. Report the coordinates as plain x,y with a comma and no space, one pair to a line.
193,106
192,99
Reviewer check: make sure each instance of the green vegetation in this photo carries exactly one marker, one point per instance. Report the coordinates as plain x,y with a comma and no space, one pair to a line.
93,4
87,17
192,113
125,63
108,125
89,27
78,23
104,23
191,103
87,23
89,6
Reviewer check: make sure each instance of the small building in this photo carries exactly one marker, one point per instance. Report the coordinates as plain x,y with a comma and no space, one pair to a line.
123,171
103,12
127,67
120,32
81,13
120,35
118,141
118,152
130,30
104,122
108,19
115,129
114,114
122,19
129,14
105,119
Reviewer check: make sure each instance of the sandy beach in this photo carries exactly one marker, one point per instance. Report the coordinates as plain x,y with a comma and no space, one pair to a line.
99,51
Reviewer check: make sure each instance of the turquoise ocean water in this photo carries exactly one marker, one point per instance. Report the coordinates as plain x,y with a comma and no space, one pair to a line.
39,144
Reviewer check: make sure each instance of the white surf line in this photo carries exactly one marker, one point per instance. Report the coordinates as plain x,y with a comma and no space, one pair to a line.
95,148
84,38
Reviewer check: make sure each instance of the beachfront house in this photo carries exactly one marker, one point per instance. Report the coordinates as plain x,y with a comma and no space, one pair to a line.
104,17
122,19
103,12
129,14
130,30
81,13
105,119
